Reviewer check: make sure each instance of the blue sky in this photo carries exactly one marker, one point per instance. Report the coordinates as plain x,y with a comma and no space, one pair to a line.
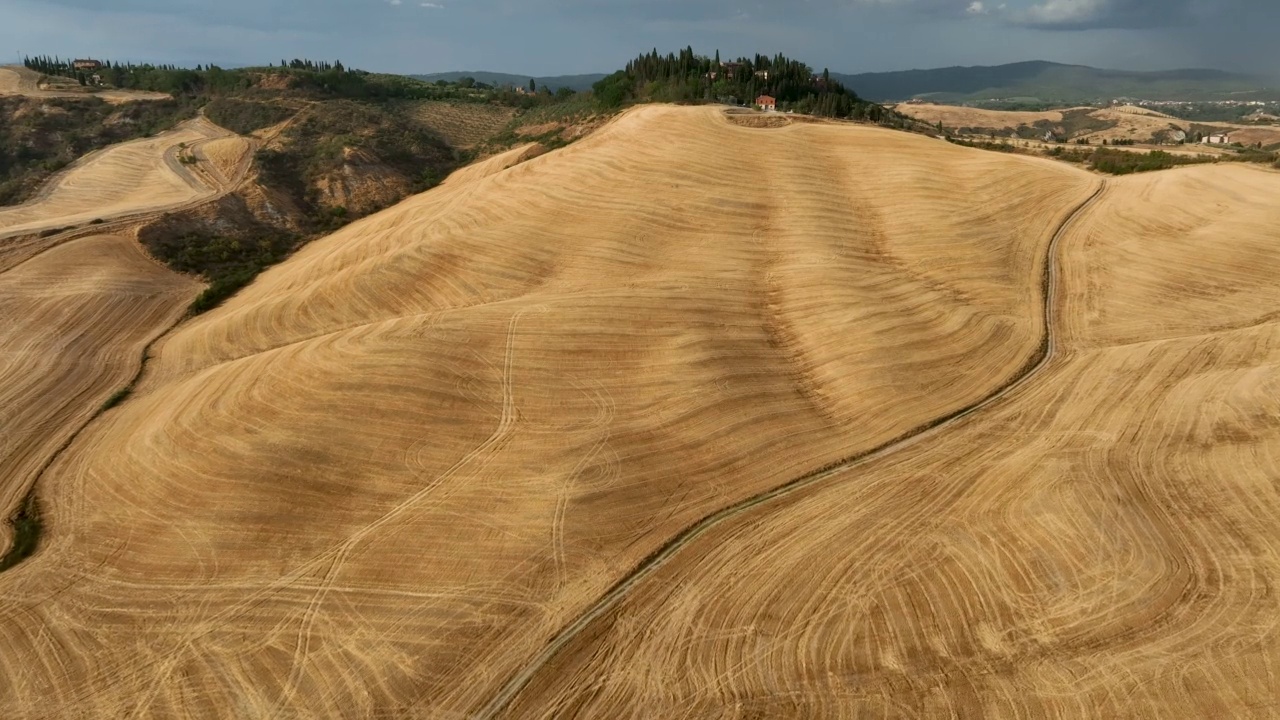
549,37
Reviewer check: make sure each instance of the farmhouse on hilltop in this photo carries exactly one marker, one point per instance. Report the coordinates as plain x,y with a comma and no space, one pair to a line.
1217,139
765,102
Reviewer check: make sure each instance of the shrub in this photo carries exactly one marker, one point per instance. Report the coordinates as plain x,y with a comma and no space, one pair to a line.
223,287
117,398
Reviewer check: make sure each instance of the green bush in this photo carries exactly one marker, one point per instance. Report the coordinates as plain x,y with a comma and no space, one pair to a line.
27,525
246,116
117,398
224,286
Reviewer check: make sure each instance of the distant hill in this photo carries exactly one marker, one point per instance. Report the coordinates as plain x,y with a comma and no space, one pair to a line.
573,82
1055,83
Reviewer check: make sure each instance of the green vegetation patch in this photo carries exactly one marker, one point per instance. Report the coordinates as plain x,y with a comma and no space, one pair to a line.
26,524
246,116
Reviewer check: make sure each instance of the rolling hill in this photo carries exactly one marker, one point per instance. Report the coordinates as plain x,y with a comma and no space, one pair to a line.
1052,556
707,414
577,83
1055,83
401,460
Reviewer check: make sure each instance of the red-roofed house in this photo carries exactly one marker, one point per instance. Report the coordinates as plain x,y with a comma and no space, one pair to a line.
764,102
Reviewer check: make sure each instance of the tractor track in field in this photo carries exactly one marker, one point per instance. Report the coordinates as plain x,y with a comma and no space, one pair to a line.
1044,355
26,519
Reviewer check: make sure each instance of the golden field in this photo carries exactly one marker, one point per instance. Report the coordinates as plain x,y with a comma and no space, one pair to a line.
126,179
1100,543
1128,122
75,320
814,420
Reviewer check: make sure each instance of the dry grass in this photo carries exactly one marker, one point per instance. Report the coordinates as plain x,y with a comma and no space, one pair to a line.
379,480
1131,122
74,321
462,125
227,155
1140,127
1253,134
376,481
1139,110
954,116
123,179
1054,556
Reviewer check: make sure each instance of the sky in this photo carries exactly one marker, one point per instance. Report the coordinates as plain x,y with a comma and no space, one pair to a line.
554,37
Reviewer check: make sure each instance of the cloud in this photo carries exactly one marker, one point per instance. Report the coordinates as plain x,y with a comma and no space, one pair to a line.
1099,14
432,5
977,8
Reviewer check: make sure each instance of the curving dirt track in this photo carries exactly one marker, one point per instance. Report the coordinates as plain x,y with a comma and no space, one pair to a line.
75,320
79,306
1101,543
379,480
125,179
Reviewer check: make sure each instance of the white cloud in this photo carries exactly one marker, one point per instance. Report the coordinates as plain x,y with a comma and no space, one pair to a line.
976,8
433,6
1066,12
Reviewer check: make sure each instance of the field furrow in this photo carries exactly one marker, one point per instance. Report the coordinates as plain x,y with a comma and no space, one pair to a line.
1101,543
377,481
75,320
125,179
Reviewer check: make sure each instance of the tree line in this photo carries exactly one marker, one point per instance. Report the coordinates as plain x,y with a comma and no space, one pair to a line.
688,77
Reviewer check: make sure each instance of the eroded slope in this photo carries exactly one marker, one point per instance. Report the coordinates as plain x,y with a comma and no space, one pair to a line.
377,480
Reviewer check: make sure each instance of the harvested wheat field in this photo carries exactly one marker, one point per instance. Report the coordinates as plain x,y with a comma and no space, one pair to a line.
1254,134
820,420
379,480
229,157
75,320
124,179
1100,542
1139,110
1140,127
955,116
1126,122
18,80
